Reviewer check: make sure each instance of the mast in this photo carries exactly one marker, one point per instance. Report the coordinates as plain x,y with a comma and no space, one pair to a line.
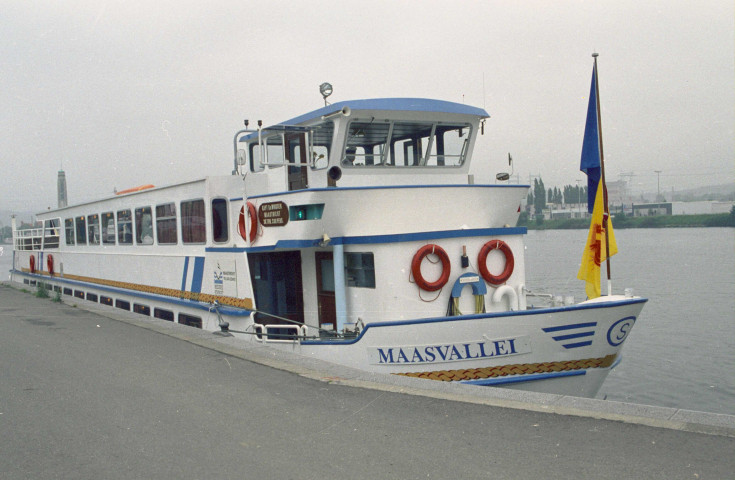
606,213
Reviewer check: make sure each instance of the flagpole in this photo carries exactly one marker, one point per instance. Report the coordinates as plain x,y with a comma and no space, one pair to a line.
606,213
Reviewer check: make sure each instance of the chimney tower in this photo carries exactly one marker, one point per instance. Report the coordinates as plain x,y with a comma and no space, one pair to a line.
61,187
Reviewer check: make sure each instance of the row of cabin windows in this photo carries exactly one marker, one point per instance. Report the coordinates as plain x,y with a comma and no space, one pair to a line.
124,226
163,314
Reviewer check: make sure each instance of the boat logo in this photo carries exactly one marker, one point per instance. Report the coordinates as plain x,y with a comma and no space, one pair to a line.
573,335
619,330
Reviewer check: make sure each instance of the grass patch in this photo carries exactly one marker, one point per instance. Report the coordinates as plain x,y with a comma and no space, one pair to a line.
41,290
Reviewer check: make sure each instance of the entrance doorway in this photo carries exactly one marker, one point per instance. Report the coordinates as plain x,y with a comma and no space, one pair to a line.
277,286
325,289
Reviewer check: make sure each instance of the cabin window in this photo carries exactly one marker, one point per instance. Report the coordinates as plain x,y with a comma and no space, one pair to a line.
167,315
122,304
190,320
142,309
360,270
406,144
124,227
51,233
81,230
93,229
79,294
69,230
166,224
92,297
193,224
108,228
105,300
220,232
143,226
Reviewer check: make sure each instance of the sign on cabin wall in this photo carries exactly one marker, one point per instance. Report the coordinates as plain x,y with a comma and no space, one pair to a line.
273,214
225,278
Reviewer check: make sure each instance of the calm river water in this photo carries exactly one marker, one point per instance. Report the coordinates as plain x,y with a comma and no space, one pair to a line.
681,352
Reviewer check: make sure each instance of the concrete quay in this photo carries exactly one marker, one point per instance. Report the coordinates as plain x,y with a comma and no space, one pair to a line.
87,392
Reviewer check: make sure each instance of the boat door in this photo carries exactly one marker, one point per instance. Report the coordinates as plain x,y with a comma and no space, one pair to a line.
277,286
296,154
325,289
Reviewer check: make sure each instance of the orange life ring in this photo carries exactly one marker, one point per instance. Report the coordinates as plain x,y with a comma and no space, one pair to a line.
253,223
482,262
50,264
416,267
32,264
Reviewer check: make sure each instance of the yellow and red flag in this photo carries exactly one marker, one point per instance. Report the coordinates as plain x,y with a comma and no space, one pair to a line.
595,251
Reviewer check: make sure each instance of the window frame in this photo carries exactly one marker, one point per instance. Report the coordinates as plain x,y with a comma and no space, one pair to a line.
118,224
224,220
204,223
91,224
167,218
138,214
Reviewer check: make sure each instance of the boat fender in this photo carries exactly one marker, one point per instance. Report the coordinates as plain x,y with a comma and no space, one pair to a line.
506,291
509,262
416,267
253,223
32,264
50,264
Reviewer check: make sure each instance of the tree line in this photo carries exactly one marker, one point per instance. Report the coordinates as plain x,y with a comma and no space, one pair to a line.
540,197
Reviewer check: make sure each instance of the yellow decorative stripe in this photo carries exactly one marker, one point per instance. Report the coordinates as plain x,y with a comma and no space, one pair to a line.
245,303
516,369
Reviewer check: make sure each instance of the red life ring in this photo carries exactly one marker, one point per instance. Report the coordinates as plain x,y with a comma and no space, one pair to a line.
482,262
416,267
253,223
50,264
32,264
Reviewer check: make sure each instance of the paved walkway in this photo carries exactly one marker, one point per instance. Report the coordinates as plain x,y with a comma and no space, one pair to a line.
85,395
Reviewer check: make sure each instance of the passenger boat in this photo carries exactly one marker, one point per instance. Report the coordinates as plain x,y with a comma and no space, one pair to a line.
353,234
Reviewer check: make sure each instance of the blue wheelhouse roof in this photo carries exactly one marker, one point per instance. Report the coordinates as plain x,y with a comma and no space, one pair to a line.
394,104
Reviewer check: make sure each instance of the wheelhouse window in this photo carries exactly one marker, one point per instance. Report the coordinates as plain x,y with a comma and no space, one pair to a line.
220,232
317,144
93,229
143,226
81,230
108,228
124,227
405,144
193,224
51,232
270,153
69,230
166,224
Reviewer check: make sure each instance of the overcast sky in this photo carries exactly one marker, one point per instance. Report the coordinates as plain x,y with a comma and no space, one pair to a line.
124,93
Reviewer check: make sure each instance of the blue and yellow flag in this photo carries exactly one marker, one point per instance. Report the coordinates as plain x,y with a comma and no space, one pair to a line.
590,163
595,251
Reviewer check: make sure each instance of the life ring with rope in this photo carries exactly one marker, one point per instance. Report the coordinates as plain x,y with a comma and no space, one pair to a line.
50,264
482,262
416,267
253,223
32,264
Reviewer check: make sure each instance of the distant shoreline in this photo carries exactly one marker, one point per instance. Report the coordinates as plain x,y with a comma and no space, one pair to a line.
620,222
